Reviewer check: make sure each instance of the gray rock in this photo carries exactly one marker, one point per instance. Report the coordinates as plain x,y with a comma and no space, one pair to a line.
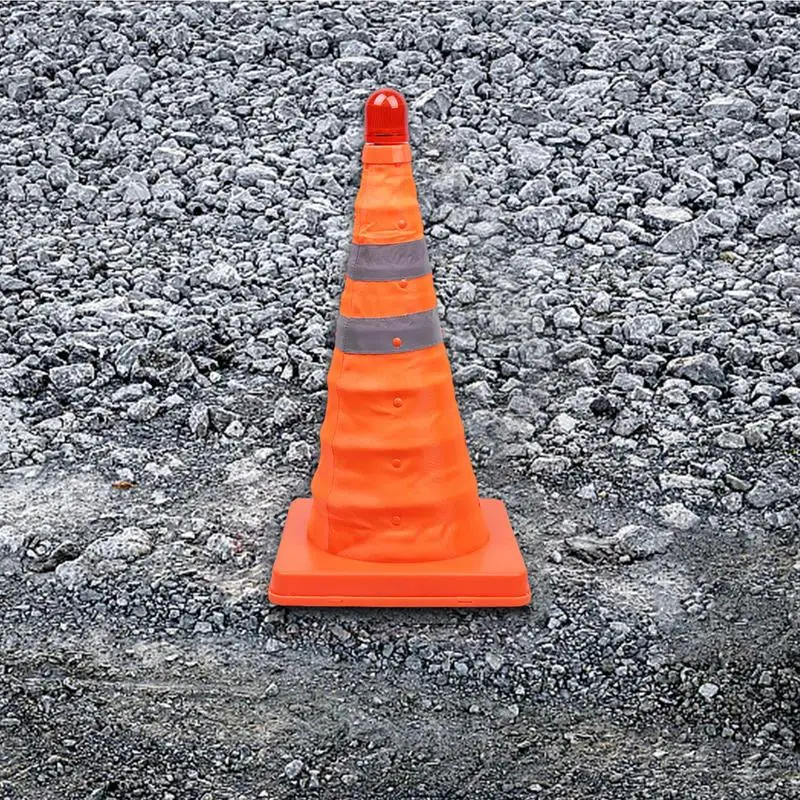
590,548
729,107
791,395
128,358
127,545
198,420
144,410
61,175
235,430
762,495
11,540
285,411
245,472
433,103
564,423
737,484
567,318
676,515
601,303
758,434
129,76
702,368
767,147
136,190
627,423
71,376
225,276
681,239
167,210
664,215
550,465
601,55
533,156
542,219
554,146
731,441
505,67
293,769
779,118
255,174
785,222
19,86
640,542
494,660
594,227
83,195
708,690
642,329
220,546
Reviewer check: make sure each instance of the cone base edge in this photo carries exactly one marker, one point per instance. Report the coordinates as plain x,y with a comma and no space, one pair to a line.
494,576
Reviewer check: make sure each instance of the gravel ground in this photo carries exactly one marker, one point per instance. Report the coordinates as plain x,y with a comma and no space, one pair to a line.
611,195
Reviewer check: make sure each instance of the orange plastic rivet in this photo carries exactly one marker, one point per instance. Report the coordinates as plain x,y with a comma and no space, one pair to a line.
398,401
395,521
397,341
403,283
396,463
401,223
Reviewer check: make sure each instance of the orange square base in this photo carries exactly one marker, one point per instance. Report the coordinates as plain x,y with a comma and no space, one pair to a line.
304,575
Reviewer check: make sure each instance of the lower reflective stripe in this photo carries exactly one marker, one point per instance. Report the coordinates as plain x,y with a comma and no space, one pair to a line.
383,335
388,262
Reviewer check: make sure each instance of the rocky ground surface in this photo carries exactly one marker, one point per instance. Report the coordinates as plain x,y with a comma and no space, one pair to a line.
611,196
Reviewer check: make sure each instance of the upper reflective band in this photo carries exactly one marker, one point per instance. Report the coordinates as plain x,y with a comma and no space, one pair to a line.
383,335
388,262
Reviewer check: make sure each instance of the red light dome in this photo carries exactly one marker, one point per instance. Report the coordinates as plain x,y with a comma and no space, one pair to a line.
386,118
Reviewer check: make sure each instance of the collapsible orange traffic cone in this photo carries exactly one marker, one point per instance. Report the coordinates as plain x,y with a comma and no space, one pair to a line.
395,518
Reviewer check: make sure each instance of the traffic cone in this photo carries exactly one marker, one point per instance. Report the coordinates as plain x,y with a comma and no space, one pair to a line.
394,518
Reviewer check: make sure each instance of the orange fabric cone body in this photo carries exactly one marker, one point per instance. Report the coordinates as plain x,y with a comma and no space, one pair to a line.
395,517
394,481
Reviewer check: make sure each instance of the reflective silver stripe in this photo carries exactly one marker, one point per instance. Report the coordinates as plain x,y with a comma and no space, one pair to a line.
382,335
388,262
